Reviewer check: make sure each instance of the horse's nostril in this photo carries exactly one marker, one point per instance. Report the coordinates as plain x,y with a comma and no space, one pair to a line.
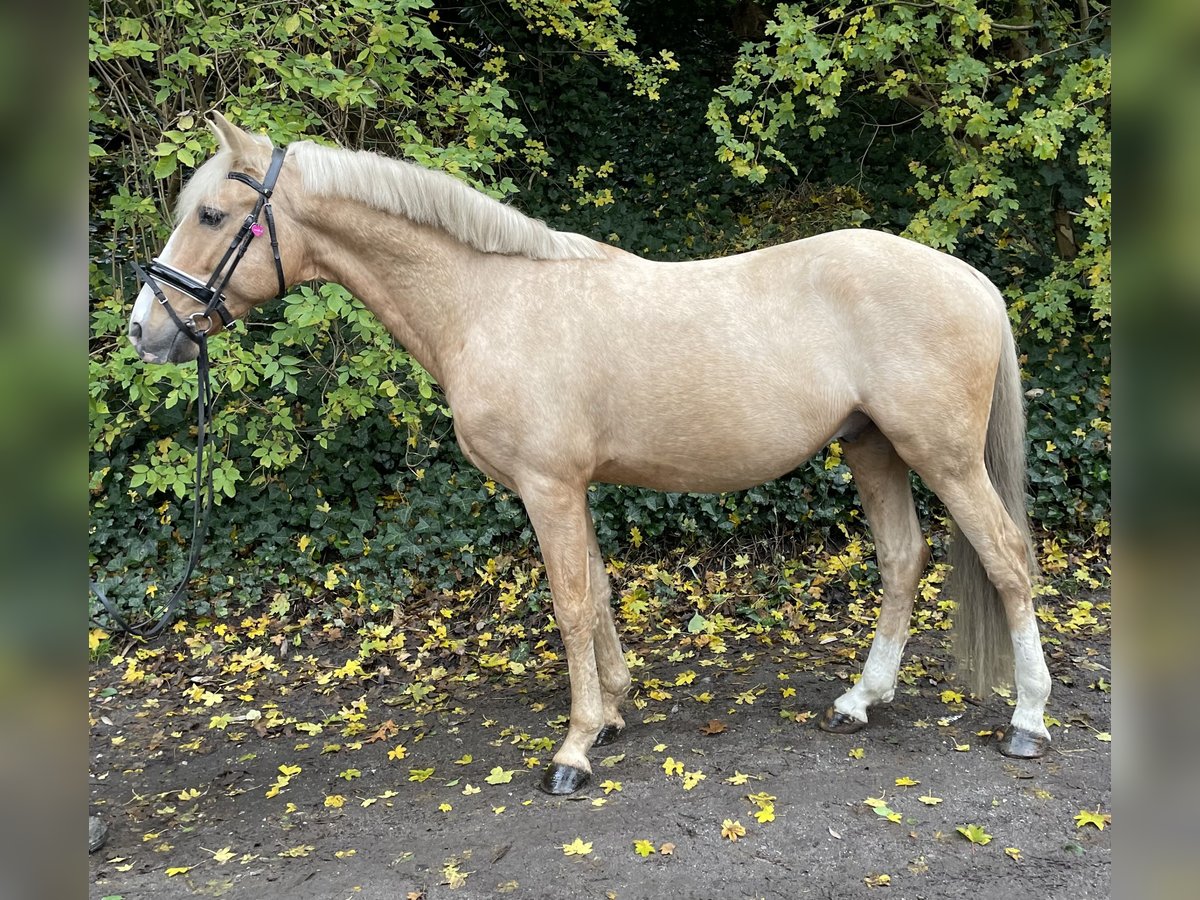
135,330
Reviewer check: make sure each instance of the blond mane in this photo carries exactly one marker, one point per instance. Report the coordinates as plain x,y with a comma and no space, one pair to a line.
427,196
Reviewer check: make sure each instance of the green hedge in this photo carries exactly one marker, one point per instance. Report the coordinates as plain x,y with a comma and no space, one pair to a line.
335,458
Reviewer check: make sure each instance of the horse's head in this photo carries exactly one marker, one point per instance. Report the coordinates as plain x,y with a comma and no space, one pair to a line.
219,262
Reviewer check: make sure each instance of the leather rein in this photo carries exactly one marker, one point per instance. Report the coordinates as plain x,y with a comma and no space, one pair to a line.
211,295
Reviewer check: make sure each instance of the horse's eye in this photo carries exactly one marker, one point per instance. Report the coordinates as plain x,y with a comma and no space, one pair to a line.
211,217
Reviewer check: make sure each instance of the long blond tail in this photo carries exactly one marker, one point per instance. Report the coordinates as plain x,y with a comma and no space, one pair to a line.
982,642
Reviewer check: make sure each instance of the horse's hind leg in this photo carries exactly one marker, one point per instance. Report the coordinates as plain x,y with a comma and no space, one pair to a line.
560,517
882,481
610,659
978,511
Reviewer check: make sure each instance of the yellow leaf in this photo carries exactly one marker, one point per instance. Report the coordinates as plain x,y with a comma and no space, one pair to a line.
1097,818
881,880
465,759
610,786
470,789
499,775
765,814
1104,736
398,752
419,774
949,696
336,801
444,807
738,778
974,833
732,830
224,855
496,810
303,541
691,779
178,870
1013,852
577,847
929,800
643,848
857,753
962,748
906,782
667,849
671,767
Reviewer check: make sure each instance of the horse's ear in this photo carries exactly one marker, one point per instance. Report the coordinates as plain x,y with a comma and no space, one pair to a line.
229,136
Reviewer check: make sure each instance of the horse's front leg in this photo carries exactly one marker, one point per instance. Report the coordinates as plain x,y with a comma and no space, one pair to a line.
610,659
559,514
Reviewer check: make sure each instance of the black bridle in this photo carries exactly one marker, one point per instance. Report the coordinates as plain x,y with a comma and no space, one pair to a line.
211,295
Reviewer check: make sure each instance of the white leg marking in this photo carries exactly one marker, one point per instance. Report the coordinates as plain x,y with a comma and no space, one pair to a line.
878,681
1033,681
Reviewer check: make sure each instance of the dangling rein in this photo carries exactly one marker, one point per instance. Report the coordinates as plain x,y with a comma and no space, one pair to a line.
211,295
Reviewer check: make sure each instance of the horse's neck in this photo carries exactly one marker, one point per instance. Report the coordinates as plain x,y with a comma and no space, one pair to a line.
411,277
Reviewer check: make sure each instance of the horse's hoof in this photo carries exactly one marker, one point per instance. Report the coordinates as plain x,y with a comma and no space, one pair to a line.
560,779
607,735
1021,744
836,722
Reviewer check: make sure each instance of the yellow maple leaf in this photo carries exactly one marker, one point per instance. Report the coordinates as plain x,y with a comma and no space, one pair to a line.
1097,818
930,800
765,814
335,801
906,782
643,848
691,779
577,847
499,775
738,778
470,789
178,870
857,753
1013,853
610,786
224,855
444,807
732,830
974,833
398,752
671,767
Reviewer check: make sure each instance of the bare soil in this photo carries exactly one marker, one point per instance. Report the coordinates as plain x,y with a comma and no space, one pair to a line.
176,792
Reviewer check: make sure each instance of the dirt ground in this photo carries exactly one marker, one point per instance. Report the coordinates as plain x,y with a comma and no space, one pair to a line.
198,810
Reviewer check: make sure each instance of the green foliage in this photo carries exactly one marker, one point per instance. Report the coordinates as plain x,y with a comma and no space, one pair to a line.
335,443
1015,109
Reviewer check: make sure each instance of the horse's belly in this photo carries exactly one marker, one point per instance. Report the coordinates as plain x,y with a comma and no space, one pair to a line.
715,460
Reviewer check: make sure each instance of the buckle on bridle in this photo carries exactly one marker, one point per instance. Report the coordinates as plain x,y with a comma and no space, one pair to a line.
191,321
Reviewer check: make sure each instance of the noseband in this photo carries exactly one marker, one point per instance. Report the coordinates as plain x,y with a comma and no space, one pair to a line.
211,294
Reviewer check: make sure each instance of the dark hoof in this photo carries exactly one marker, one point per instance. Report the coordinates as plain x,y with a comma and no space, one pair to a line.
1021,744
839,723
560,779
97,833
607,735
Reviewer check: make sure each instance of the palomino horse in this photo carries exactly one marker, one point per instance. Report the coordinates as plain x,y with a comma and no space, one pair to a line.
567,361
